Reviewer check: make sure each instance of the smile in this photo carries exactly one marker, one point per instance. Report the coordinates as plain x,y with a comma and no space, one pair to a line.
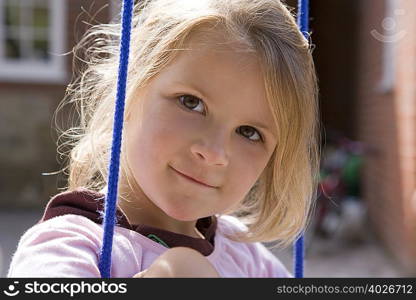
193,180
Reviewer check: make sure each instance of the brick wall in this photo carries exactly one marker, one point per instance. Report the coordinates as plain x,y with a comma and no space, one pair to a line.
386,124
406,115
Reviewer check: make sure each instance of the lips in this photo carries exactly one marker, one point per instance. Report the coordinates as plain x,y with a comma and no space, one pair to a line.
193,179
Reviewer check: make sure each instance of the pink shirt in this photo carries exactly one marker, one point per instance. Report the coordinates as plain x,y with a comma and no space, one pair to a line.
69,246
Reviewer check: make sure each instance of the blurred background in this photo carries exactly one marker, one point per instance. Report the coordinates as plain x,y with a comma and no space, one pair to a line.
365,52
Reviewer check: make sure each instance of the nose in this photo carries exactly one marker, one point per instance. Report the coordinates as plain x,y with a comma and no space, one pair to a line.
212,149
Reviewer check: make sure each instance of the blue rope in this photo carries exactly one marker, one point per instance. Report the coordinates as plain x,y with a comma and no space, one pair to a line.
111,197
303,17
298,254
303,23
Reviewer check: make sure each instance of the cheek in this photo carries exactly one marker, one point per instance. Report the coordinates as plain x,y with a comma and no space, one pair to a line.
244,171
161,134
148,155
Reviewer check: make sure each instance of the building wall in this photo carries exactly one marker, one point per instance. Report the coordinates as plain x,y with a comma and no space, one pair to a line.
386,124
406,114
27,138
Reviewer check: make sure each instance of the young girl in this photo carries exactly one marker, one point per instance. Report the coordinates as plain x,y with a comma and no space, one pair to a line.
220,149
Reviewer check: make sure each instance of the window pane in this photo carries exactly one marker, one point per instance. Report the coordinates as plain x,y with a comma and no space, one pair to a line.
40,49
26,28
41,3
13,50
40,17
11,13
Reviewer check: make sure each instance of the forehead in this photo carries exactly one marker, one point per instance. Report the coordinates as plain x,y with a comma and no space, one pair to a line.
213,47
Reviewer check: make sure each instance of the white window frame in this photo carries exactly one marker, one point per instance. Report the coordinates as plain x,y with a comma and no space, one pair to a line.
52,71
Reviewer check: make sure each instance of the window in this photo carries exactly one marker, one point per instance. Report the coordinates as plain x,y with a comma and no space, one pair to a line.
32,40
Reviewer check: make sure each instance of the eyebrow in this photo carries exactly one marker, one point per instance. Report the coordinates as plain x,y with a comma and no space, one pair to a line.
204,95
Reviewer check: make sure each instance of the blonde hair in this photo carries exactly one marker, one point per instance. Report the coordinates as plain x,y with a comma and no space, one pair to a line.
279,205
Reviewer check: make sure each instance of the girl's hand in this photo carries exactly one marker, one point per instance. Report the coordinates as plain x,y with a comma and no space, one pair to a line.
179,262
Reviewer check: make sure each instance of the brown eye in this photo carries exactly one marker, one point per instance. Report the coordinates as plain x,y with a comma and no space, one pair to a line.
249,132
191,102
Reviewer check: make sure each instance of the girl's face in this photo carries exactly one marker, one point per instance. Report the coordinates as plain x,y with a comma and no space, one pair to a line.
205,116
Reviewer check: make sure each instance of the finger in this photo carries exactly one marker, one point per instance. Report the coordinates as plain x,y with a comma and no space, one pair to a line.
140,274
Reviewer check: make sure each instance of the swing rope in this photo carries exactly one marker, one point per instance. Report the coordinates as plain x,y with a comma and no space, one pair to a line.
303,24
111,196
